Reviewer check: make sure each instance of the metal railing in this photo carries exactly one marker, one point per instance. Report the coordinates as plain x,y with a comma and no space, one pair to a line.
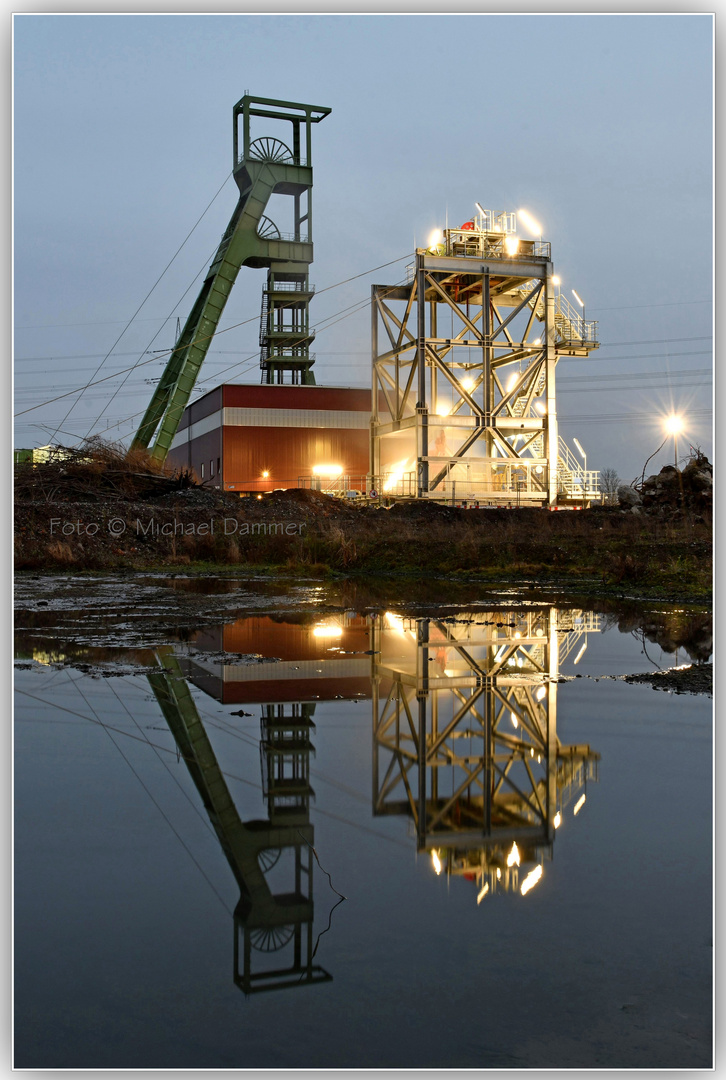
579,484
287,358
343,486
493,245
289,238
299,160
570,324
513,484
287,286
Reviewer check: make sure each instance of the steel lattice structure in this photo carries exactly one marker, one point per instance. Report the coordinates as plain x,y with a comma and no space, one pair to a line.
267,919
464,356
465,737
262,167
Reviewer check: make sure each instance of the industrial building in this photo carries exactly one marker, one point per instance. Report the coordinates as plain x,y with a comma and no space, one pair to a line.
462,405
464,356
257,438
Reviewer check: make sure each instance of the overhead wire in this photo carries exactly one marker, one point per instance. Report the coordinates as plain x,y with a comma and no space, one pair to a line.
148,350
216,333
225,773
161,275
253,358
611,376
154,801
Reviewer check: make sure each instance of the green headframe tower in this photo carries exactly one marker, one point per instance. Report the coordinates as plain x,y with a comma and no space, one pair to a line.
264,166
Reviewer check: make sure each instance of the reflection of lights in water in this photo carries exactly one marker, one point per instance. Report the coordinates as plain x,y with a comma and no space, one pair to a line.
328,631
584,646
482,892
541,692
513,856
531,880
436,861
558,820
578,805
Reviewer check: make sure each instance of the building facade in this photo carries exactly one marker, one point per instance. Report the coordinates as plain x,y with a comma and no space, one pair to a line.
258,438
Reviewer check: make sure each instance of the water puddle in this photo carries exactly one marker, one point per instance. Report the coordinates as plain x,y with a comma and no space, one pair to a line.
407,813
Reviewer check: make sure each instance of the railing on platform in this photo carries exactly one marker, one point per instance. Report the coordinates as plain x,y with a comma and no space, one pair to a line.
579,484
510,485
288,286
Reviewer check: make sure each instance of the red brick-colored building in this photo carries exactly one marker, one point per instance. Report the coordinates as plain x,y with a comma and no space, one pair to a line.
261,437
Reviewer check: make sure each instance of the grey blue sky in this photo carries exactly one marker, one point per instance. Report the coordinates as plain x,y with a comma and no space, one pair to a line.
599,125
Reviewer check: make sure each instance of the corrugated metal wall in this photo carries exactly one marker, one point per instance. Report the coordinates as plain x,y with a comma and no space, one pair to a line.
286,453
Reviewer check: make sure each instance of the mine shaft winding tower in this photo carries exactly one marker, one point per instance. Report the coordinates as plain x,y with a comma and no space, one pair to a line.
464,358
264,168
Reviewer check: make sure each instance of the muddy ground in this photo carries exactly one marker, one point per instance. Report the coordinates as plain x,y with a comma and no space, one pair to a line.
595,551
88,614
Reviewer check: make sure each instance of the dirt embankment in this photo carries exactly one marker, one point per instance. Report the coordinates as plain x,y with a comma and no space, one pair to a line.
111,518
694,679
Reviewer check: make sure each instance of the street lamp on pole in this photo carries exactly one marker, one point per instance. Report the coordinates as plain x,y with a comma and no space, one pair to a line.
674,425
582,305
584,475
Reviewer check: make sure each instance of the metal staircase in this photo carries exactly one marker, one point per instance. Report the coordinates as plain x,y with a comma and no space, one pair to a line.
285,333
570,327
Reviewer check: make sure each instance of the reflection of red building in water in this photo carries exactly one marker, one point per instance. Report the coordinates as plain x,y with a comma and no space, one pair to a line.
313,661
262,437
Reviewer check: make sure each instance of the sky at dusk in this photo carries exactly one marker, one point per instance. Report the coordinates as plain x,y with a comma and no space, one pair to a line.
600,126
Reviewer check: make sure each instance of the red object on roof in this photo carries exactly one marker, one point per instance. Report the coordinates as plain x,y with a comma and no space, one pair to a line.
467,225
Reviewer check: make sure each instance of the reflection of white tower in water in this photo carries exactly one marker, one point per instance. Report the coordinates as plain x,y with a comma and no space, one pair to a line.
465,741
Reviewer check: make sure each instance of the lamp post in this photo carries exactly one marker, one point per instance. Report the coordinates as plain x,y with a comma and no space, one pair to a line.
674,425
584,475
582,305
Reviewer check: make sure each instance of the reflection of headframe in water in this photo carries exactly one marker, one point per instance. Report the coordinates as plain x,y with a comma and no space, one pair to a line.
265,921
465,737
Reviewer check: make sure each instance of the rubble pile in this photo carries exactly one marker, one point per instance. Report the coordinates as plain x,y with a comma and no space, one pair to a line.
97,472
673,492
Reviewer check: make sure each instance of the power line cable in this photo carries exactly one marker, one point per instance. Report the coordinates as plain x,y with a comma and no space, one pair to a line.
249,361
154,801
148,349
153,359
161,275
